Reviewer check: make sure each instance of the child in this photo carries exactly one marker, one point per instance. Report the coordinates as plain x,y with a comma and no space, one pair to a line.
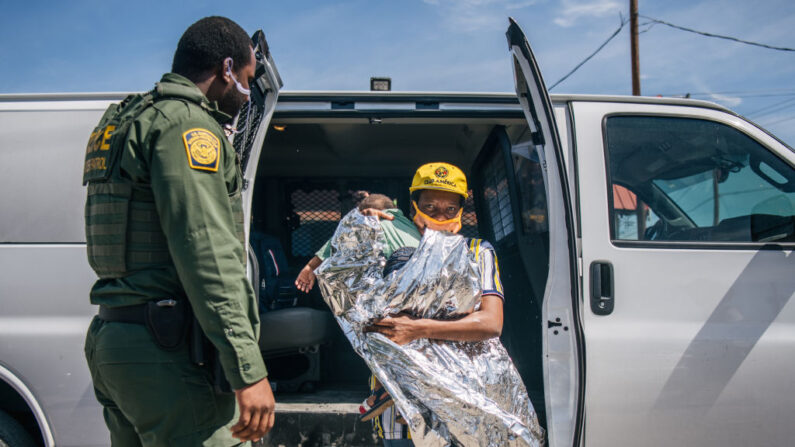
401,237
399,232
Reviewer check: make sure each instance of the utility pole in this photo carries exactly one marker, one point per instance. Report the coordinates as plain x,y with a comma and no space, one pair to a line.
633,41
641,209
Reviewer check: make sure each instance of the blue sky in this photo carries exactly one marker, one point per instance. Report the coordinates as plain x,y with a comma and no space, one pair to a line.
441,45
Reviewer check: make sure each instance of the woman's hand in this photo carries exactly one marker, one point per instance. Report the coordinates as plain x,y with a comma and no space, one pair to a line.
401,328
479,325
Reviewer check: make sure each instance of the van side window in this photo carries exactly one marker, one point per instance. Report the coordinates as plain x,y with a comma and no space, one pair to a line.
530,168
469,220
496,196
685,179
317,212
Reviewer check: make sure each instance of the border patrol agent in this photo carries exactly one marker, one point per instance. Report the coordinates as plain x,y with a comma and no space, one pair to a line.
164,230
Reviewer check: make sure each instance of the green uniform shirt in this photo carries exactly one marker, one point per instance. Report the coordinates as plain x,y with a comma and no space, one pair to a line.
195,193
400,232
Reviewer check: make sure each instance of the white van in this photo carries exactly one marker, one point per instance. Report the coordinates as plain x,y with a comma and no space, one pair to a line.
645,246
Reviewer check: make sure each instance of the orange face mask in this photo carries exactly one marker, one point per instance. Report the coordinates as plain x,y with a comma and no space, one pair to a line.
423,221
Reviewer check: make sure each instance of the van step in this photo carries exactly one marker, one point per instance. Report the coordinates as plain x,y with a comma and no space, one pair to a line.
323,419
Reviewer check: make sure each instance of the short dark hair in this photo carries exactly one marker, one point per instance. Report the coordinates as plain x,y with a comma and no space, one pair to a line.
206,44
377,201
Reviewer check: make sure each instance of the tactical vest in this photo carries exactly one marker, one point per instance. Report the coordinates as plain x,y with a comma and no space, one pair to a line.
123,232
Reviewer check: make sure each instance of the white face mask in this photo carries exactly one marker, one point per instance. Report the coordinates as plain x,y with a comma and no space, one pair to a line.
238,85
230,130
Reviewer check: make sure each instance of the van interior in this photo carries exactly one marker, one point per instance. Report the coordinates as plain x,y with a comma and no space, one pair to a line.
309,171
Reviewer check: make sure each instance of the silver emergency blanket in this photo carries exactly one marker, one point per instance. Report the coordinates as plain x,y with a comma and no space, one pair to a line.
450,393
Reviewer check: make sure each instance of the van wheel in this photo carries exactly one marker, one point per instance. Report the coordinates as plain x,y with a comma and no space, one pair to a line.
12,434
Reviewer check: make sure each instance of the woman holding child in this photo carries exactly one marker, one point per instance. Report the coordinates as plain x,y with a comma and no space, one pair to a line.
438,192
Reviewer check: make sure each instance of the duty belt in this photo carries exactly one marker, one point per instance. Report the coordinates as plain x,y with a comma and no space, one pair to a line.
135,314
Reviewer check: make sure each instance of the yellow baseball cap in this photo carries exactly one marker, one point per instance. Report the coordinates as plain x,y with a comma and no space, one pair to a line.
441,176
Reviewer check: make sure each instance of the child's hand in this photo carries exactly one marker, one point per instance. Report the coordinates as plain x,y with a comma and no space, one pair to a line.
377,213
306,279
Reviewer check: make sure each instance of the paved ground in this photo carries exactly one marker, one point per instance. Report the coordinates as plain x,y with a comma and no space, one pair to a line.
321,419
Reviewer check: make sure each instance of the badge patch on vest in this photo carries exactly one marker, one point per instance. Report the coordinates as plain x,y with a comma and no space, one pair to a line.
204,149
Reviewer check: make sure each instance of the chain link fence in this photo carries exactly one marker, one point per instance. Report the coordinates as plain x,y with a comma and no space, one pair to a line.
317,211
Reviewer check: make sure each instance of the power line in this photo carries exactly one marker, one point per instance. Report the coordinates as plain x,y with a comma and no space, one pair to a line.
780,121
772,108
765,109
651,22
763,93
760,92
746,95
647,29
615,33
690,30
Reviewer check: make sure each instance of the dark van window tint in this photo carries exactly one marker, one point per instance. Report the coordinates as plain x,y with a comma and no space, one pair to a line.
682,179
496,197
530,168
469,220
318,212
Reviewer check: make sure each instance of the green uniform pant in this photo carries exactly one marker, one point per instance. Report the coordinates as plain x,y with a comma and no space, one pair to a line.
152,397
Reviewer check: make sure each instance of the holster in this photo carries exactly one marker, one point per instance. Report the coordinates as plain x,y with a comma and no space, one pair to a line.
168,322
203,353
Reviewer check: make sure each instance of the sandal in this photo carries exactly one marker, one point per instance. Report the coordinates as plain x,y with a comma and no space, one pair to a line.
382,401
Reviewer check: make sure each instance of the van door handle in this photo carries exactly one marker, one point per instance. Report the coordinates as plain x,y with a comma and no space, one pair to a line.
602,288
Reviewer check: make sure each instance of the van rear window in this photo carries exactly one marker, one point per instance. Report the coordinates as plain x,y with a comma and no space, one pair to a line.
497,197
318,212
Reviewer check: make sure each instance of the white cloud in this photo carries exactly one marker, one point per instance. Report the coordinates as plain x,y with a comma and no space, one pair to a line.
488,74
520,5
574,10
700,84
477,15
728,101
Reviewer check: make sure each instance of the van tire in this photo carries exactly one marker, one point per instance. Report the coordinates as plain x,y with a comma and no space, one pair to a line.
12,434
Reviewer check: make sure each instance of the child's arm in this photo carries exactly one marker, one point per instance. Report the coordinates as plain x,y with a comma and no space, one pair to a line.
306,278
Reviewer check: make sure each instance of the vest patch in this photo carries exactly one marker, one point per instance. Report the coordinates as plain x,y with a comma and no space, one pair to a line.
203,148
98,154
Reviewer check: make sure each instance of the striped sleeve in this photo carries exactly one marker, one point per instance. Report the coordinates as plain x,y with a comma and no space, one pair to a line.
489,267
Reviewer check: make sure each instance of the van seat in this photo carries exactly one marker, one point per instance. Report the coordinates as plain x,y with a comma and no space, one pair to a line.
290,341
277,281
294,327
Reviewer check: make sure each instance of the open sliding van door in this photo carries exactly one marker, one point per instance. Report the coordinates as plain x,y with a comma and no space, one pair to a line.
254,118
521,187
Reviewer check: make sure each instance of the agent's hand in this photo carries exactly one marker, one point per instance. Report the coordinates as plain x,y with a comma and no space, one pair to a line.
257,407
377,213
306,279
401,328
